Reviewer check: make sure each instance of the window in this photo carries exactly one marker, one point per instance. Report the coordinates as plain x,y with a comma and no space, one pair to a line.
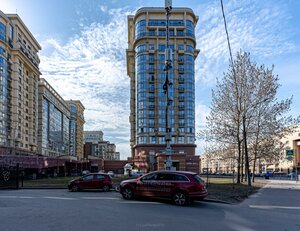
152,140
161,47
151,47
151,32
99,177
165,177
2,32
140,29
180,178
149,177
89,177
180,33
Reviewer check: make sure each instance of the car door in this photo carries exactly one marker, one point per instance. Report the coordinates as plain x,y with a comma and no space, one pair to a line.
164,184
98,181
144,184
87,181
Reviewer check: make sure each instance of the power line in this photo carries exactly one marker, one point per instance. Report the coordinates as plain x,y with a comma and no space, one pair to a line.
228,42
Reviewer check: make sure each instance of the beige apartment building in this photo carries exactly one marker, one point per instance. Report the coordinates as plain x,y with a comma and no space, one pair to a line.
145,67
53,121
76,128
19,77
96,147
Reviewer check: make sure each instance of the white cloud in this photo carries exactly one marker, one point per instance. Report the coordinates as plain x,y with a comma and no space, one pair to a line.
91,67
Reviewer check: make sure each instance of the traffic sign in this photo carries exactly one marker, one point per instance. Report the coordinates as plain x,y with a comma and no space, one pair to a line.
289,153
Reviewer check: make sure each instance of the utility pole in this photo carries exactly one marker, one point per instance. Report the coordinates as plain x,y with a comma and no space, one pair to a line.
167,84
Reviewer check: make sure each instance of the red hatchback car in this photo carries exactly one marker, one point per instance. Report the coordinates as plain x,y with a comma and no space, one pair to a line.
91,181
181,187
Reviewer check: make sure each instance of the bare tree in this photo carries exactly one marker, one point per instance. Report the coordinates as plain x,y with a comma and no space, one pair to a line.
245,112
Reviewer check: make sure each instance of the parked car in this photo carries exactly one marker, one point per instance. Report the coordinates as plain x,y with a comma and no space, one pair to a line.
91,181
181,187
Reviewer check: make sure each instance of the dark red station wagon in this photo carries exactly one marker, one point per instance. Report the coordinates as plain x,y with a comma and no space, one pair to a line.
91,181
181,187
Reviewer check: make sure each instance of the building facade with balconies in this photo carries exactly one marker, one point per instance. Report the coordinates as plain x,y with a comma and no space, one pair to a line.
19,77
145,67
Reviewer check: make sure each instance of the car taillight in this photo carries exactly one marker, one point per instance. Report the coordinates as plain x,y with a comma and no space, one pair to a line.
200,187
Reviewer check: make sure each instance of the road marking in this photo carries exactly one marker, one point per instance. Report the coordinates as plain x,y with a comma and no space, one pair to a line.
140,202
15,197
8,196
100,198
60,198
273,207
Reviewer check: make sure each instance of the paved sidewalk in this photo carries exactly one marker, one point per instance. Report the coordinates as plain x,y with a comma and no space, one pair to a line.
283,184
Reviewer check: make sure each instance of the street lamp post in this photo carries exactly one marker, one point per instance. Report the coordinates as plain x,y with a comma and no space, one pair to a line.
168,66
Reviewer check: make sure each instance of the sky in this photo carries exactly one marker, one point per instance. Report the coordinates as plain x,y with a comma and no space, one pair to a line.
84,45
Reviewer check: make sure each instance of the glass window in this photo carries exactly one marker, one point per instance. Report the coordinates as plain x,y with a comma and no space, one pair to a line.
99,177
151,32
180,47
180,178
140,29
88,177
180,33
152,176
140,48
165,177
161,47
151,47
190,48
2,32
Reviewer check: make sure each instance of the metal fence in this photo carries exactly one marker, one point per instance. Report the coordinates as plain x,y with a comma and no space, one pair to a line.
9,176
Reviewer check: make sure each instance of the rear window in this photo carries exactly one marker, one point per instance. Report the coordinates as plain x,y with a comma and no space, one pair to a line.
198,178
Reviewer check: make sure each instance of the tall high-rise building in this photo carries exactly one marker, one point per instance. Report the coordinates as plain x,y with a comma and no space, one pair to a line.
145,67
19,77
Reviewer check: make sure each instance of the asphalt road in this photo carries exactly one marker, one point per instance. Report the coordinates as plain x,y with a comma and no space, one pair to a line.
275,207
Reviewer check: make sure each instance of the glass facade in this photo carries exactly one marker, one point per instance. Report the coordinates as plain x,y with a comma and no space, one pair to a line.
55,130
72,128
3,96
2,32
150,77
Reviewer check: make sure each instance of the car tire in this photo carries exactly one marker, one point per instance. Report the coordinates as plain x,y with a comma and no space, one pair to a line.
127,193
105,188
180,198
75,188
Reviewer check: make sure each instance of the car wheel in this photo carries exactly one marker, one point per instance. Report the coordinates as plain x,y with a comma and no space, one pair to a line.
180,198
75,188
106,188
127,193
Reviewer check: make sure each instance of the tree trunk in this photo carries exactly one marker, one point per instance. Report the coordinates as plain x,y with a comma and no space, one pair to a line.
246,152
239,163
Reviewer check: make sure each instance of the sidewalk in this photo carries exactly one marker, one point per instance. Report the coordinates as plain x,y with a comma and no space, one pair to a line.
283,184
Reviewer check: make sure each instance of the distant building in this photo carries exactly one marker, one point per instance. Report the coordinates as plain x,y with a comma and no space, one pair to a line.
214,162
19,77
76,128
54,122
96,147
92,136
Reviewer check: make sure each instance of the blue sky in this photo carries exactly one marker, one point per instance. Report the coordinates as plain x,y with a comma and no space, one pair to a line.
84,41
